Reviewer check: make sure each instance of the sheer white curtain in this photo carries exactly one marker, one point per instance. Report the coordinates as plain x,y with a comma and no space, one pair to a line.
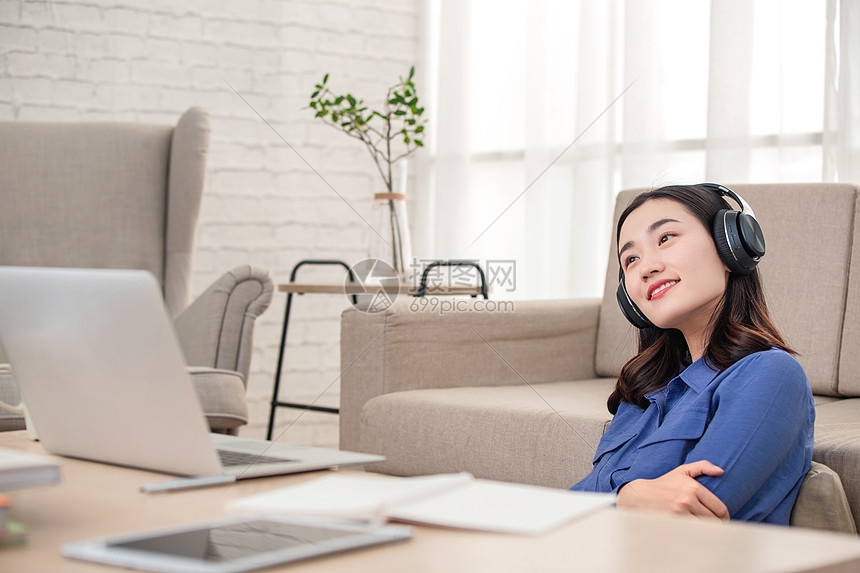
842,94
541,111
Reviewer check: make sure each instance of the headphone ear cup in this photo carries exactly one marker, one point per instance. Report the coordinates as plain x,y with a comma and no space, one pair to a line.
752,237
724,228
629,309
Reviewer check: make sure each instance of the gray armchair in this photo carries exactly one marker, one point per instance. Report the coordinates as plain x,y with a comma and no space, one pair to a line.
114,195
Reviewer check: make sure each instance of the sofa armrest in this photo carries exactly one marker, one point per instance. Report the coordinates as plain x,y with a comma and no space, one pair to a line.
424,343
217,329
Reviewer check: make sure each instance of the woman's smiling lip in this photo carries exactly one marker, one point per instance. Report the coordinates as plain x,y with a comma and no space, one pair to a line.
657,289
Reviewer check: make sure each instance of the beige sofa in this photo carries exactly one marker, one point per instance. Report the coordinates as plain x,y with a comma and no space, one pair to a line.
123,195
521,395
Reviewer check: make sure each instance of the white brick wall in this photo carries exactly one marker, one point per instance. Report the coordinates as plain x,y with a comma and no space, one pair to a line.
148,61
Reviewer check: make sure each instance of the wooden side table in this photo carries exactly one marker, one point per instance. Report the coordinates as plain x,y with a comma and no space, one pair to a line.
353,288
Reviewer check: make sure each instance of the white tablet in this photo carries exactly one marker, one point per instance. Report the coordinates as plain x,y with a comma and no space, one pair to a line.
232,544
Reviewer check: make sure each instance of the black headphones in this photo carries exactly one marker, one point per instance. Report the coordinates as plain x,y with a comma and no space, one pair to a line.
740,245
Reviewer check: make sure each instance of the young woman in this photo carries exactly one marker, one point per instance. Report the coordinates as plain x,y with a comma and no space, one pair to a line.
713,416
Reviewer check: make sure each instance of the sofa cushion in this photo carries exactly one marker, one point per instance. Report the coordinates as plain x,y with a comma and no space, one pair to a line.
849,360
551,429
616,337
837,444
806,300
821,502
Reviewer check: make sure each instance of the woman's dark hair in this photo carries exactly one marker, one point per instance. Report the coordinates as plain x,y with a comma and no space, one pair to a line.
739,327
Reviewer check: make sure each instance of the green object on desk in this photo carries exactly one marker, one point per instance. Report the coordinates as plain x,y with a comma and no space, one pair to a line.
13,534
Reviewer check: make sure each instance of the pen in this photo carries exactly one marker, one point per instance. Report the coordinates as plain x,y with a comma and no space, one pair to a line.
186,483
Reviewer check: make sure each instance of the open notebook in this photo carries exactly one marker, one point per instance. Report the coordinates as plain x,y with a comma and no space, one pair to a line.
449,500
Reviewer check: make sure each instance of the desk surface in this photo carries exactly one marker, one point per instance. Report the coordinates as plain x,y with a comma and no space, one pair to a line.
96,500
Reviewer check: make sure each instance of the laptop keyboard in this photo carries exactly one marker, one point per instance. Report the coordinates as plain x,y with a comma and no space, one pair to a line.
243,459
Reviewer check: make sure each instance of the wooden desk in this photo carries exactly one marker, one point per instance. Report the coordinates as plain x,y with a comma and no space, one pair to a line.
96,500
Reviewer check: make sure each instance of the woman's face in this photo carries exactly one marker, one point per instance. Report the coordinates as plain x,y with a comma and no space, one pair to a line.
671,267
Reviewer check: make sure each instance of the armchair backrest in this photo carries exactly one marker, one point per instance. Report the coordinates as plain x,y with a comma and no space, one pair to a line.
104,195
810,234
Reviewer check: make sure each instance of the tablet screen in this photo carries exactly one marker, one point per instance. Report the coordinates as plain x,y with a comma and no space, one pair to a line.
234,541
233,545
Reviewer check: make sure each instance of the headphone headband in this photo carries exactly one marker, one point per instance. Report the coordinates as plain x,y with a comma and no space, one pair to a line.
726,192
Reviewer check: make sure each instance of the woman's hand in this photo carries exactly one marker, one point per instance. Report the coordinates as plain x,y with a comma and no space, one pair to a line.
676,492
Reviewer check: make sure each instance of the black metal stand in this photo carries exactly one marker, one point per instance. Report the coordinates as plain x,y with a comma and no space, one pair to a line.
275,404
422,291
422,288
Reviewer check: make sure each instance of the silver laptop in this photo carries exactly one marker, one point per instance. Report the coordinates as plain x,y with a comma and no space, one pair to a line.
103,377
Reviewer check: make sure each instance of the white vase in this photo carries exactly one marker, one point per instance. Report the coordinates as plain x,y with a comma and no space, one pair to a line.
389,240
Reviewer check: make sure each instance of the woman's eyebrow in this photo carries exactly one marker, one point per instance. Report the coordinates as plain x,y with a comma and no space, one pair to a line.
651,228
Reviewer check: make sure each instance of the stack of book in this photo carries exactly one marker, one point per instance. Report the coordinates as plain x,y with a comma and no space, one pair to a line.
19,470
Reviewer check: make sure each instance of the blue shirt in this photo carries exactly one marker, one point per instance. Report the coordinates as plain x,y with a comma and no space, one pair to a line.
754,420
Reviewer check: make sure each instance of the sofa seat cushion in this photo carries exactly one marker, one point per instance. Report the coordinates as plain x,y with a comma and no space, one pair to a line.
837,444
222,397
551,429
821,400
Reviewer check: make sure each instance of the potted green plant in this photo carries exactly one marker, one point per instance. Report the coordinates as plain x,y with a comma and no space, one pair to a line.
390,135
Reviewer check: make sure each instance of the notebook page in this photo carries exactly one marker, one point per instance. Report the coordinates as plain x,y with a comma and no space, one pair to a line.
502,507
354,497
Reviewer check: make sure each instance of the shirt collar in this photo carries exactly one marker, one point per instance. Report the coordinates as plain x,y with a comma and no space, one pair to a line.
696,376
699,374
